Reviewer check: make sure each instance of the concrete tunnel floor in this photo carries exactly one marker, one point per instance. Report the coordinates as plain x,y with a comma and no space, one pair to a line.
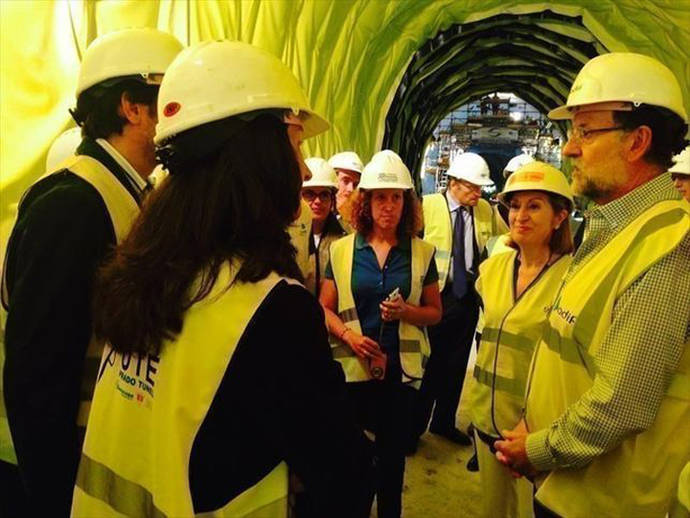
437,483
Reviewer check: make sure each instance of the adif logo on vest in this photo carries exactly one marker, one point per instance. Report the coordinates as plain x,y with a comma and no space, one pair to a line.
564,313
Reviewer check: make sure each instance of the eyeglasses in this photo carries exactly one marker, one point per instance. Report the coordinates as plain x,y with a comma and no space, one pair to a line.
583,135
308,195
470,186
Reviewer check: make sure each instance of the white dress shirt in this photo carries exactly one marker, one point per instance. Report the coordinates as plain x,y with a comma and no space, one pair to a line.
453,206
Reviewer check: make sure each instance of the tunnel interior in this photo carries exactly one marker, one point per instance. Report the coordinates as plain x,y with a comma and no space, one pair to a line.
535,56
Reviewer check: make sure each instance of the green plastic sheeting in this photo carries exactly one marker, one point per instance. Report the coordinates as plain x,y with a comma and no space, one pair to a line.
350,56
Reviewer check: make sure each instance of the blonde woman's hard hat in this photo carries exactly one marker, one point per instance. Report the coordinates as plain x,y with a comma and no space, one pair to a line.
386,170
214,80
619,81
537,176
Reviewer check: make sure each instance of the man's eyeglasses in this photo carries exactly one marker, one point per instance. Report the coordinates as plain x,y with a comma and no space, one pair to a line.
308,195
470,186
582,134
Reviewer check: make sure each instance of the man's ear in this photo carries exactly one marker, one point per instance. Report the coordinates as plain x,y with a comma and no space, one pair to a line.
129,110
638,144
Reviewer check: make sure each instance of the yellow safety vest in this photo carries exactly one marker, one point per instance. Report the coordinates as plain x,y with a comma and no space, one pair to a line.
147,411
511,331
680,507
299,231
498,245
122,209
439,232
637,478
414,342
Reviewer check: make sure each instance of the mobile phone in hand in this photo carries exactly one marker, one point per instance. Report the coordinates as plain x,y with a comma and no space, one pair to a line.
377,366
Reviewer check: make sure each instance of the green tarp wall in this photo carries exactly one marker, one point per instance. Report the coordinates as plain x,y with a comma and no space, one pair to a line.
349,55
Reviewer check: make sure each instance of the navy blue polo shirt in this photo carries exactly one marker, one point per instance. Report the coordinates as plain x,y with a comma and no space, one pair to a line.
372,284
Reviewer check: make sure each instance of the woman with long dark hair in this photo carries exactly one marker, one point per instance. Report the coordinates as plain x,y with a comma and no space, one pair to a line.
379,293
217,374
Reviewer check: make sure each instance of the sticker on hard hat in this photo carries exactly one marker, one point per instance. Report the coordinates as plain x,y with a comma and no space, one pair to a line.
388,177
171,109
526,176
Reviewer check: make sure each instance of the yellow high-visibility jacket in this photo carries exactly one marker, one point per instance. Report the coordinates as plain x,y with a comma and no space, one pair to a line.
154,407
639,476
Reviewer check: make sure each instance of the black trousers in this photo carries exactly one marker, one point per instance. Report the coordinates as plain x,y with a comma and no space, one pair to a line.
13,498
451,341
541,511
385,408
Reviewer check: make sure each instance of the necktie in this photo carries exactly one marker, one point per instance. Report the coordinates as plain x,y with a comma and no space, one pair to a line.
459,270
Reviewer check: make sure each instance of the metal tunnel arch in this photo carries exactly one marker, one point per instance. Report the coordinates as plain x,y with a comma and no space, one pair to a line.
535,56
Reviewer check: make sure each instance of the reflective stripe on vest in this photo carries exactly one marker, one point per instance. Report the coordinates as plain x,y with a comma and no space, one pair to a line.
414,343
299,231
512,330
680,506
122,209
639,475
147,411
439,232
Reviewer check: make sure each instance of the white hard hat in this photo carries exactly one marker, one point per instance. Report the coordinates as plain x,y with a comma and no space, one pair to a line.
682,162
62,148
386,170
472,168
322,174
623,77
347,160
538,176
143,52
213,80
516,163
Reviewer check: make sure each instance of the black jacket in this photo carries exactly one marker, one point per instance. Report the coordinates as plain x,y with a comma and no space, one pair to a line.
62,234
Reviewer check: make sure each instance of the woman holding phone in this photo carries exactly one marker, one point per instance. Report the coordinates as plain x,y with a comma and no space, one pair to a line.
377,333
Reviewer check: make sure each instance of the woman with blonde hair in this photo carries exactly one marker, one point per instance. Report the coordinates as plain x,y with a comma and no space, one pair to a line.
517,288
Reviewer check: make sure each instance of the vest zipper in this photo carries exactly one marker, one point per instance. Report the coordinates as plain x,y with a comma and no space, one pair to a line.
500,330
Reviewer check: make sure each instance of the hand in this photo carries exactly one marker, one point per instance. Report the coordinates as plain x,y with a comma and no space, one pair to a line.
512,452
363,346
393,309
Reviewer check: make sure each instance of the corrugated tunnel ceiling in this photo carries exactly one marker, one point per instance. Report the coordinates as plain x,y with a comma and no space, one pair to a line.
535,56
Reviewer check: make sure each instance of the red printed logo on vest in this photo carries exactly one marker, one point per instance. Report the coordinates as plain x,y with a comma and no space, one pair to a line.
171,109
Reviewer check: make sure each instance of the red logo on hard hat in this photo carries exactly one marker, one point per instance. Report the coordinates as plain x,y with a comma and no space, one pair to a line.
171,109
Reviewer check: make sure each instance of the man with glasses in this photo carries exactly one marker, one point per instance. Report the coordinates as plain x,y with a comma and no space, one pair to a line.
458,223
607,419
67,222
